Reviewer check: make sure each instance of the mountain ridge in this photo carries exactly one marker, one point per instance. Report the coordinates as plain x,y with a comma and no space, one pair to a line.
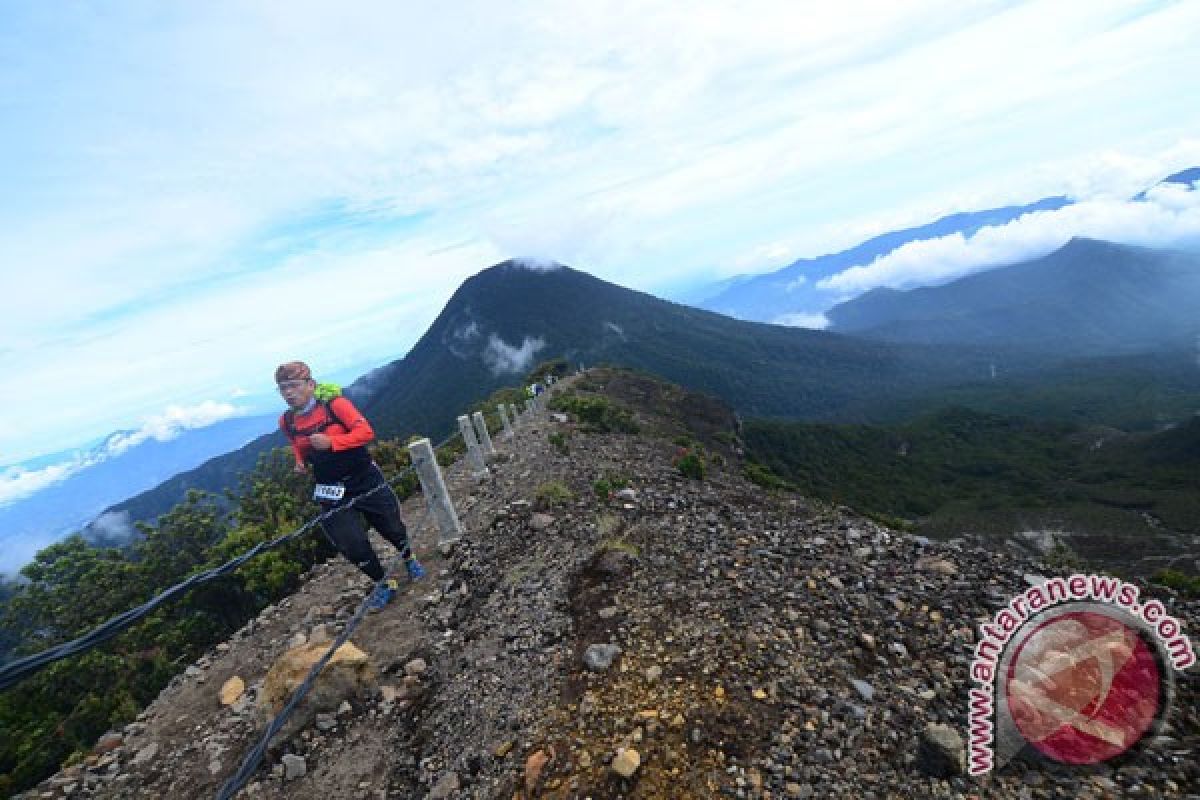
1124,299
764,643
792,289
499,322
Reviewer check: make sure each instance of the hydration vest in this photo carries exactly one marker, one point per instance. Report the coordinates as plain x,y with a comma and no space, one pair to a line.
329,466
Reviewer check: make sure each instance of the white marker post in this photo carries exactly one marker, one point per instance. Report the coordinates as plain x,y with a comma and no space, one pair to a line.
474,454
508,431
434,489
485,438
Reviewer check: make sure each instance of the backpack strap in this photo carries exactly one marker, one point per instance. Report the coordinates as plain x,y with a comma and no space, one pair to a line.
289,419
331,415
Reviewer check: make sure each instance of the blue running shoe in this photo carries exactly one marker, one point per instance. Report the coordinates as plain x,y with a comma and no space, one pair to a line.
415,570
381,596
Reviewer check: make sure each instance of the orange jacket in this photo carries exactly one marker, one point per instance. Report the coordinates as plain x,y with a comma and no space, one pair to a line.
347,429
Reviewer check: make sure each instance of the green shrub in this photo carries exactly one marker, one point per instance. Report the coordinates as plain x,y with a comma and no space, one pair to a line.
763,476
552,494
596,414
559,441
608,485
1188,585
690,463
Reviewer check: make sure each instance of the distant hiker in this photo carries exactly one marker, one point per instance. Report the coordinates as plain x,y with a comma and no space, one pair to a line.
330,434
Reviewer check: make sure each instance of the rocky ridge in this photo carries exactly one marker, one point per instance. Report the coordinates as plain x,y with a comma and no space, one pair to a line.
672,638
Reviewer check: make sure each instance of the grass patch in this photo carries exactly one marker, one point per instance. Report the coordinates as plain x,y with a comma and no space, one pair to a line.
552,495
764,477
609,485
595,414
620,545
608,526
1187,585
691,462
559,442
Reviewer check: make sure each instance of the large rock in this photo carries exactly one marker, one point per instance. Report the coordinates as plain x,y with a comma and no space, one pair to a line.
599,657
941,752
348,674
627,762
232,691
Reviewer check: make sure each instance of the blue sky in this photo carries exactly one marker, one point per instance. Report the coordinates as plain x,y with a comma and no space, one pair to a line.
194,192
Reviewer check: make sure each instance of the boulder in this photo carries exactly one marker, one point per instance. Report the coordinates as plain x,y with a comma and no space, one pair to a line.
348,674
232,690
941,753
627,762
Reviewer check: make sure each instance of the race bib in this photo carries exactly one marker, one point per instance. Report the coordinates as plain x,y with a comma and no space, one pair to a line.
328,492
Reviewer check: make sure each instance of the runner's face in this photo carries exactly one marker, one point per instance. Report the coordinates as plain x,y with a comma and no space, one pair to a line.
297,393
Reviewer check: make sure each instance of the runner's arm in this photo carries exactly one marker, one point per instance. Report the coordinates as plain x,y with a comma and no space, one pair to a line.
358,431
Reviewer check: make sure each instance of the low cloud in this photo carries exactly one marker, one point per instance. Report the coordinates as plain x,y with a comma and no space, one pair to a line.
17,482
459,337
169,424
615,328
111,529
793,285
537,264
502,358
814,321
466,333
1169,215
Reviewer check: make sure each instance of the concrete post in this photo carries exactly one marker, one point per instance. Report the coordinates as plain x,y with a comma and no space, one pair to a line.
434,489
485,438
508,431
474,454
528,405
513,411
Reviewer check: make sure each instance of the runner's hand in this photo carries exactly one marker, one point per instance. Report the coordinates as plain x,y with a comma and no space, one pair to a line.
320,441
300,469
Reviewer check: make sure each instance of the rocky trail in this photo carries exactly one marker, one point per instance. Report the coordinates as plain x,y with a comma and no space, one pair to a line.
674,638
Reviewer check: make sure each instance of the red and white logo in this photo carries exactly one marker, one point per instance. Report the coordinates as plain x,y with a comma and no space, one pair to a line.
1084,686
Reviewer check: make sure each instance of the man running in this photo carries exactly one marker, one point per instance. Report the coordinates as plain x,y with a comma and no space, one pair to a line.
332,437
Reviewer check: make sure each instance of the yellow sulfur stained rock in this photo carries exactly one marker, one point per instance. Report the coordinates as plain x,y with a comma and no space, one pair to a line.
534,766
626,763
232,691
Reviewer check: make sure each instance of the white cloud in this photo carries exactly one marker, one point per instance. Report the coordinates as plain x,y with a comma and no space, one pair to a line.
814,321
169,424
111,528
466,332
17,482
1170,214
537,264
242,168
502,358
